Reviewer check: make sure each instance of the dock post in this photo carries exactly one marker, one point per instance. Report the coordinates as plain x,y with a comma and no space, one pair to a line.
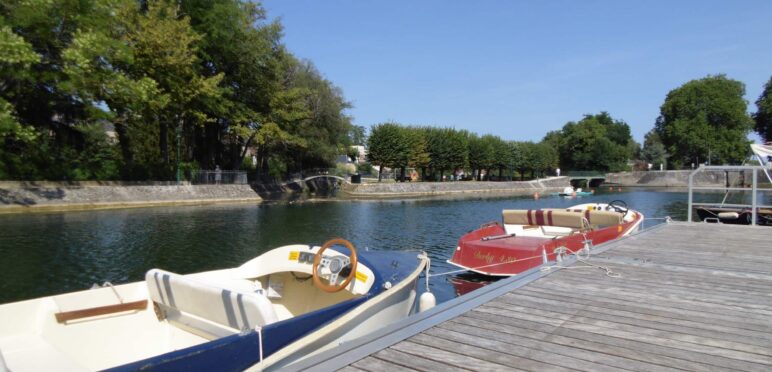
753,198
689,211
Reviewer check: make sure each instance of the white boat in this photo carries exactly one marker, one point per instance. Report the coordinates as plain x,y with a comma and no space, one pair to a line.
764,152
308,296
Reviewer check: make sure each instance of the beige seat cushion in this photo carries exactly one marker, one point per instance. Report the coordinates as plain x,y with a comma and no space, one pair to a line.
560,217
603,218
236,310
540,217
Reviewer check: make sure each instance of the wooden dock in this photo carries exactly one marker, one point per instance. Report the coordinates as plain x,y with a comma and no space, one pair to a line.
689,297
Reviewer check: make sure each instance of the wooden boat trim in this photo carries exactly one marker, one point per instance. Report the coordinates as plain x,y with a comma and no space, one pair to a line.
65,316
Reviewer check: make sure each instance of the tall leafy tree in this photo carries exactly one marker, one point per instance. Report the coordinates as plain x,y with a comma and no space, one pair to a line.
447,149
358,135
653,150
16,59
481,154
526,155
545,157
763,115
386,146
33,34
501,156
705,120
418,152
597,142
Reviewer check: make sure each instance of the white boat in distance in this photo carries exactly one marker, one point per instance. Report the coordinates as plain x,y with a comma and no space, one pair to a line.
308,296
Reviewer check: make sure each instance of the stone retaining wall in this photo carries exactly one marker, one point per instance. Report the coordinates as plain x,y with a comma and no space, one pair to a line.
20,197
672,178
409,189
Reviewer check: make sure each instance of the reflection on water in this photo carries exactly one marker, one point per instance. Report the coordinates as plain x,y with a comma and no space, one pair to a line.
45,254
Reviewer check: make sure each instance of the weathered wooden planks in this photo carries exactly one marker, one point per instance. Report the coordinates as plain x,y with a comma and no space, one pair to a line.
690,297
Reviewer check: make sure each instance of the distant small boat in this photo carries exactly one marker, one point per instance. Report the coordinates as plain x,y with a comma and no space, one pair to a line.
741,215
733,216
570,192
309,297
573,194
527,238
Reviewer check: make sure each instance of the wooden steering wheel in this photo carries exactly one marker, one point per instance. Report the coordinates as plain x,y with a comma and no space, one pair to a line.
335,265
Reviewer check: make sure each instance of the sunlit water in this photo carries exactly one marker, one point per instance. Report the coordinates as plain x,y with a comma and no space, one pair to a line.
44,254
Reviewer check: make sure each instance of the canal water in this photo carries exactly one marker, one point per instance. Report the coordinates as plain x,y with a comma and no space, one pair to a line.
45,254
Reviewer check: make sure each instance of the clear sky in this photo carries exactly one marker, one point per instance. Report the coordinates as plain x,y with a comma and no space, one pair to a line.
519,69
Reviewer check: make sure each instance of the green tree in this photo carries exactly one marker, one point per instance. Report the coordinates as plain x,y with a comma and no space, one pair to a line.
705,120
501,156
597,142
653,150
763,115
545,157
447,150
16,60
386,146
34,33
524,152
418,153
358,135
481,154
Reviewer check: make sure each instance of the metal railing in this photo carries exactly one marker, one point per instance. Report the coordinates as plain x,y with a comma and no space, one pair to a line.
215,177
755,189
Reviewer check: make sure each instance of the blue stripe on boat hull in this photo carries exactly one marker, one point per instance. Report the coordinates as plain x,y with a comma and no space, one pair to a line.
237,352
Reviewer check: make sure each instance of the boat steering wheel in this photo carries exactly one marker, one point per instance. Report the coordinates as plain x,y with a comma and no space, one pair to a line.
618,206
334,265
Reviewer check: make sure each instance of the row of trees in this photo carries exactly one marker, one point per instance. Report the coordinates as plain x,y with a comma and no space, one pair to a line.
440,151
703,121
185,81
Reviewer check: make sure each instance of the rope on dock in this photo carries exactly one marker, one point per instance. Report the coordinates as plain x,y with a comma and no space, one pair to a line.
609,272
481,267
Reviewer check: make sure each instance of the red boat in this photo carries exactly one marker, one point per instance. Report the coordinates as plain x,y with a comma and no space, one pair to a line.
528,238
468,282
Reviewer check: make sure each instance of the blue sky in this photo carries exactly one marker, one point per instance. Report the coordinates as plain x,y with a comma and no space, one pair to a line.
520,69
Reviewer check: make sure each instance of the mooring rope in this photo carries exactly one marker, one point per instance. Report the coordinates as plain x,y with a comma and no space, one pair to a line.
557,252
609,272
482,267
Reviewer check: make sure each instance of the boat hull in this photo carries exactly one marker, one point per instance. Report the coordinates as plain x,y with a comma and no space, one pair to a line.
32,339
390,306
506,255
725,215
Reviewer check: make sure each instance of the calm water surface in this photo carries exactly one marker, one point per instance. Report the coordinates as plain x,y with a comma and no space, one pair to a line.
44,254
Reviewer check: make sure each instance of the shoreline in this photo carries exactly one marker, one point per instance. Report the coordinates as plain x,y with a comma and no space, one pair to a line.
42,197
462,194
81,207
26,197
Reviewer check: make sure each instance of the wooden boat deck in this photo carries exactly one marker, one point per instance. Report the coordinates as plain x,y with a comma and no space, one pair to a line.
689,297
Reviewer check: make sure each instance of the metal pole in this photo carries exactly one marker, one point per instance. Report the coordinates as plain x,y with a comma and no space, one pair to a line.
689,211
753,198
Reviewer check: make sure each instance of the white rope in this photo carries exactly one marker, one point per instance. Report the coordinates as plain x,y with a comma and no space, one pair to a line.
609,272
428,267
482,267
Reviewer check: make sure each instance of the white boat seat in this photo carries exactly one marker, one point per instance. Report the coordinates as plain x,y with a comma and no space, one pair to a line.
3,366
227,307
